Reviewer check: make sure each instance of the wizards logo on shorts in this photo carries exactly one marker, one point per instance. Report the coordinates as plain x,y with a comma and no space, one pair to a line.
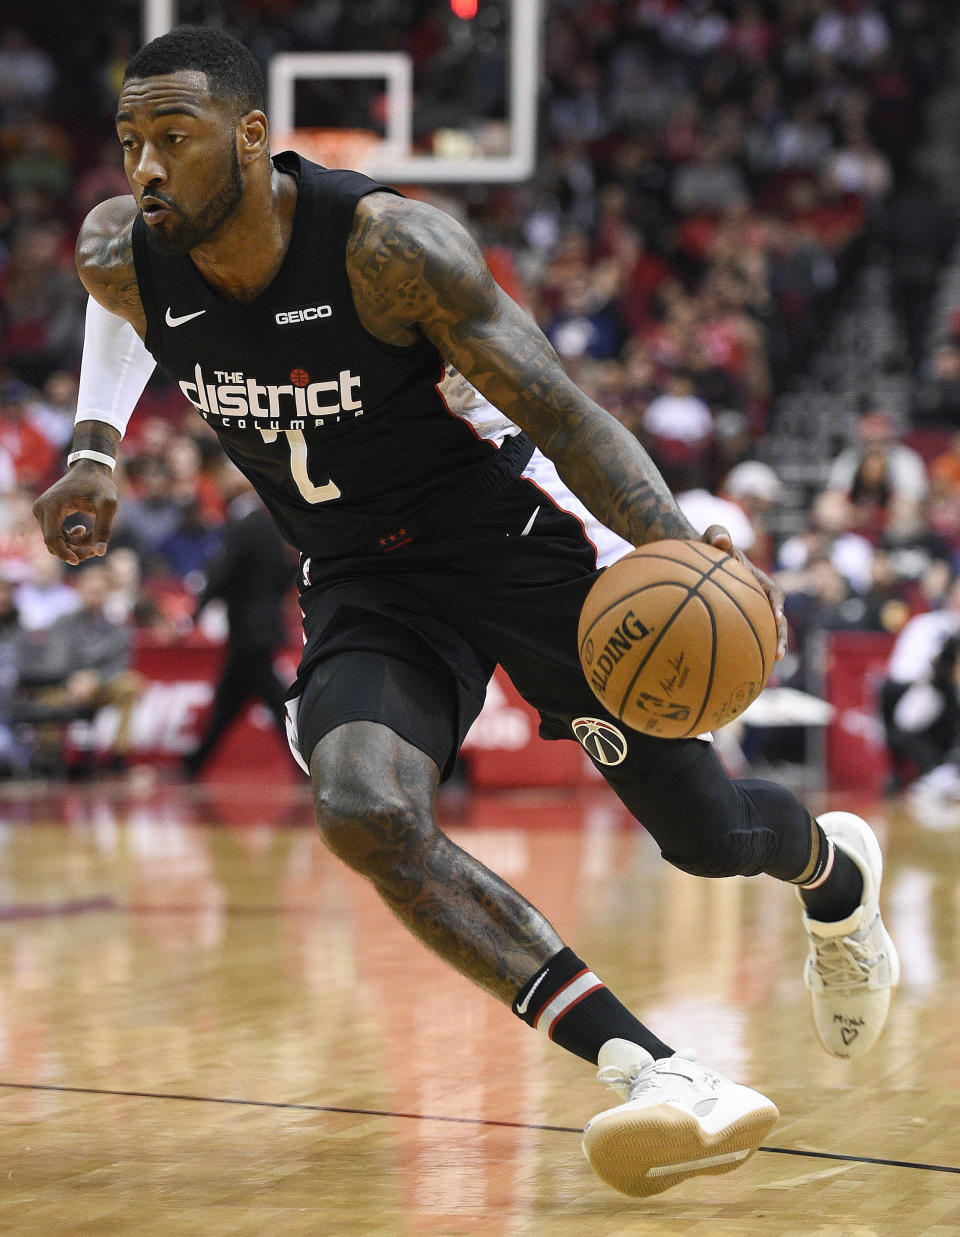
601,740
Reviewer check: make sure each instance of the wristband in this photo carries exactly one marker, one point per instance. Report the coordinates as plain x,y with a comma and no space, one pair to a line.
98,457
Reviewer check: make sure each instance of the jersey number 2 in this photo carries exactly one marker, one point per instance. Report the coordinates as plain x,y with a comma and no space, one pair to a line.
298,467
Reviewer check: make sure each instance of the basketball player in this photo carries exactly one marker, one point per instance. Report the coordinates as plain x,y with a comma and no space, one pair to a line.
452,495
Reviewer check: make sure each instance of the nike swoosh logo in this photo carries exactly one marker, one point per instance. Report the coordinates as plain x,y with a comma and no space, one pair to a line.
529,523
172,321
522,1009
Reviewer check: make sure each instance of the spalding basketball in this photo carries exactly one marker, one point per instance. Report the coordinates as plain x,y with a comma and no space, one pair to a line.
677,638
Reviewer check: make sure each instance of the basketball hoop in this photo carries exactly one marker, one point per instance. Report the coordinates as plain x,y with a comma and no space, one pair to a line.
333,148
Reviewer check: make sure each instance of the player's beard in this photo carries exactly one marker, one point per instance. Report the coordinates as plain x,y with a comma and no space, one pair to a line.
178,234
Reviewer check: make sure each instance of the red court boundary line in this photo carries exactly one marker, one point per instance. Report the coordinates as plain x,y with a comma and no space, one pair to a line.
419,1116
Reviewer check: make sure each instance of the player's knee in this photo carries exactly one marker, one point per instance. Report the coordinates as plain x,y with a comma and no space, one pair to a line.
740,852
375,829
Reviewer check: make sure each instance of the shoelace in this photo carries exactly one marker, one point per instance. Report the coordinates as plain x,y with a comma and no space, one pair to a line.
843,960
673,1082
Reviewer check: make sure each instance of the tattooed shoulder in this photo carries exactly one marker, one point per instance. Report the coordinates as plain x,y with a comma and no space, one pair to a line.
410,263
104,258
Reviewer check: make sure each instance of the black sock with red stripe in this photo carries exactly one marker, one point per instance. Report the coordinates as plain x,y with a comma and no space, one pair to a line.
572,1007
832,885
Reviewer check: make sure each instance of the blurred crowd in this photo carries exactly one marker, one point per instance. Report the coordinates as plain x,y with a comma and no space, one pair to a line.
711,173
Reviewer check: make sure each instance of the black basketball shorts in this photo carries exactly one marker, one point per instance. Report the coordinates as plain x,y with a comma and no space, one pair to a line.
410,638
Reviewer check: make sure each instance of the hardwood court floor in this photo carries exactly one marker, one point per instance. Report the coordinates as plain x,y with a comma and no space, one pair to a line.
207,1026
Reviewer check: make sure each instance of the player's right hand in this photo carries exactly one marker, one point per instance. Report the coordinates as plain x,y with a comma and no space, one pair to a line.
87,488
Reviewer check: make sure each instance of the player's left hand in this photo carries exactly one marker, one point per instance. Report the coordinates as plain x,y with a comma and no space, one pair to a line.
717,535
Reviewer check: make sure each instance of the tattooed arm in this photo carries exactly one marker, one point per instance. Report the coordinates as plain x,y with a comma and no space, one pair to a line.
105,260
114,369
414,269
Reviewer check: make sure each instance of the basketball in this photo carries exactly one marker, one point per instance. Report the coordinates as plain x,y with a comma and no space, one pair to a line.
677,638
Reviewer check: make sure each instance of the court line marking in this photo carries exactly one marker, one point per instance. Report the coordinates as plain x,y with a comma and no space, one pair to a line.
420,1116
50,910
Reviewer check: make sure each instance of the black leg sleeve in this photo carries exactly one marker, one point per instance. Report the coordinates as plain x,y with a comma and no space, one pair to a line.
710,825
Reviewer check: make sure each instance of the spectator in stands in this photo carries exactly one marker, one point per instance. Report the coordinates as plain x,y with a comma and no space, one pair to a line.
924,727
639,384
918,698
587,322
906,472
824,601
677,426
13,755
125,580
943,509
890,595
156,433
19,543
646,273
190,481
830,535
914,543
858,167
921,737
189,548
132,599
78,665
937,403
44,596
38,163
702,508
32,454
710,182
871,493
852,32
149,515
756,489
802,142
103,179
27,73
55,407
819,598
43,302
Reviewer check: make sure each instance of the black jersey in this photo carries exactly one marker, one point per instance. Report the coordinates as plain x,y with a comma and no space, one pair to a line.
354,445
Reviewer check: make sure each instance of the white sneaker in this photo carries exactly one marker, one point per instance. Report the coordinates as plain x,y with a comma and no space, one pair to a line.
852,964
678,1120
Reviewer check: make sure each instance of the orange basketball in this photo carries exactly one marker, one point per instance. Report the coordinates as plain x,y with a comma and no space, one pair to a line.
677,638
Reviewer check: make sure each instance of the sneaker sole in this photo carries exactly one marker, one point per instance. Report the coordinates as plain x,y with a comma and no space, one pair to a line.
645,1152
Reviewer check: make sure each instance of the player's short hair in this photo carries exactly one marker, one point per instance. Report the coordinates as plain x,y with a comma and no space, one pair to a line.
232,71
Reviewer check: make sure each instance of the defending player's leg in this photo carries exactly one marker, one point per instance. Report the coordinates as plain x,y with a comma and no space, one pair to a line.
708,825
374,795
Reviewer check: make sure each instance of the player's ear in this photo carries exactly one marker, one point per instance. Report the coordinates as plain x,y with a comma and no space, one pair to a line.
252,137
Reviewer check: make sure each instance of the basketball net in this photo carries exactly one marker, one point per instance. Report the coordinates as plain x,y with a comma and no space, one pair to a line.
333,148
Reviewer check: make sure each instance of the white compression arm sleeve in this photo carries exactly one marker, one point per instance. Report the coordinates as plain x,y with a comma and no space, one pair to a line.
114,369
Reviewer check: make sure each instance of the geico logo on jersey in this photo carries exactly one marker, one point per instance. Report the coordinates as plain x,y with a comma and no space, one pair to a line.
240,402
310,313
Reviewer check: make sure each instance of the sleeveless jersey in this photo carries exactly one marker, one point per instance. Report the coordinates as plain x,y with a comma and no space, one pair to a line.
355,446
